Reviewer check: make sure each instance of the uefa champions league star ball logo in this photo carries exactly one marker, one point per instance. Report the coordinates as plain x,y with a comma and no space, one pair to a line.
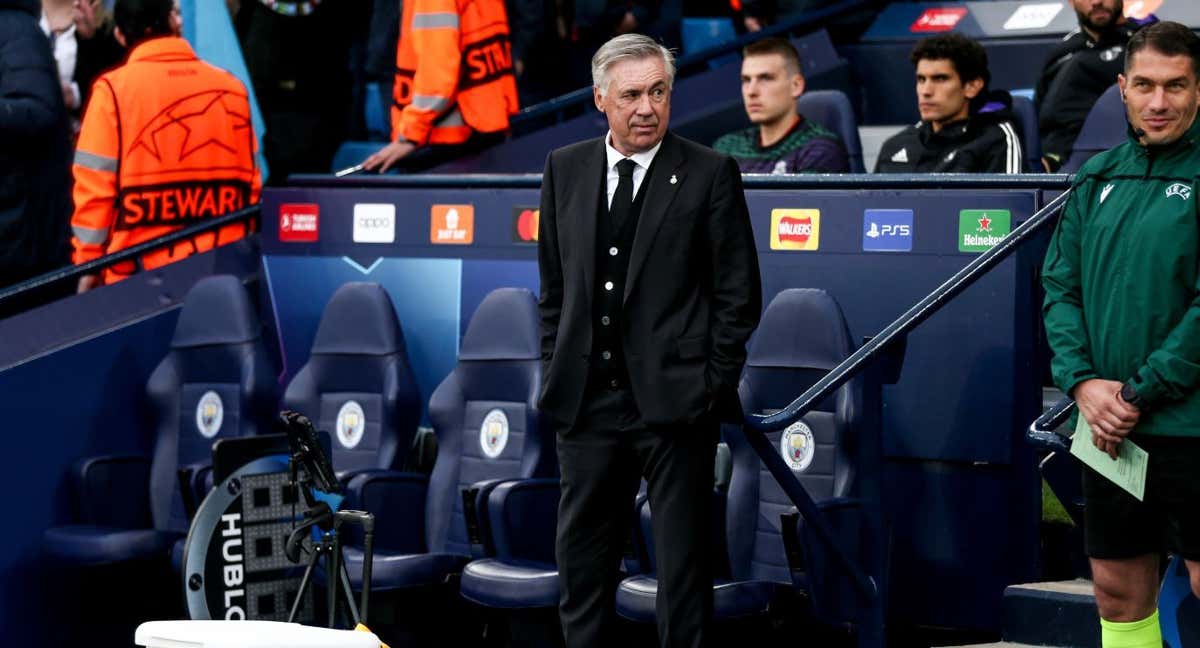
797,446
493,434
351,422
210,412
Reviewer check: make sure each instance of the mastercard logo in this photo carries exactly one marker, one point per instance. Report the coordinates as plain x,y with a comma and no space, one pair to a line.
795,229
525,224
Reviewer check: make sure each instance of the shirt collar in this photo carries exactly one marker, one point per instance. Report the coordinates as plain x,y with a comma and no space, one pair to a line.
642,159
167,47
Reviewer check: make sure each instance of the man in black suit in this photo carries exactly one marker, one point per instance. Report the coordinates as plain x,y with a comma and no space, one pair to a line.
649,291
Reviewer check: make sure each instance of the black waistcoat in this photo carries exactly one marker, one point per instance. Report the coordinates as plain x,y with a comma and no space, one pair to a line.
613,245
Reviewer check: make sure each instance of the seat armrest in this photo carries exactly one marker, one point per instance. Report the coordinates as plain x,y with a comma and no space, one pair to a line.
397,500
523,517
475,515
114,491
195,480
812,565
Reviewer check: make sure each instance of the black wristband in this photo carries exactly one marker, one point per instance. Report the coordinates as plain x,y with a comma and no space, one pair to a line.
1129,395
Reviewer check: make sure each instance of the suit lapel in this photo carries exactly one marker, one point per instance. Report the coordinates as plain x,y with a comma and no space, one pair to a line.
662,182
583,213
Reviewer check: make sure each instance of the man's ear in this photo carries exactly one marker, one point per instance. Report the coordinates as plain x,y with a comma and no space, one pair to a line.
1121,83
972,88
119,36
599,98
797,86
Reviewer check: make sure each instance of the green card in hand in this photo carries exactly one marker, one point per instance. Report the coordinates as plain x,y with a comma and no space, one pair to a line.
1129,469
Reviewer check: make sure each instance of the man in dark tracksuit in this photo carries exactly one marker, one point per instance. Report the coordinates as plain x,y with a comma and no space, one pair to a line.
35,150
1078,70
1122,313
963,129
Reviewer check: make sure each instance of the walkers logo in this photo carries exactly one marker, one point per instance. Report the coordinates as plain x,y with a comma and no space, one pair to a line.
525,224
887,230
795,229
980,229
374,223
299,222
180,203
941,19
452,224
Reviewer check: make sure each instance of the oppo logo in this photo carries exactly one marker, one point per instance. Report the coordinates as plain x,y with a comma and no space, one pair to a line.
374,223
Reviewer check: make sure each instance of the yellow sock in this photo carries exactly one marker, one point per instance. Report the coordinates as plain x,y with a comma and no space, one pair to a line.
1135,634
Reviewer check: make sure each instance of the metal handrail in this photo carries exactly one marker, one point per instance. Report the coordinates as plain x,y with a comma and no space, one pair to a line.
857,363
1042,430
807,21
129,253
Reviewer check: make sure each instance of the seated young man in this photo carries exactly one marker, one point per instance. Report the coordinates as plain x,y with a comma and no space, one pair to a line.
963,129
781,140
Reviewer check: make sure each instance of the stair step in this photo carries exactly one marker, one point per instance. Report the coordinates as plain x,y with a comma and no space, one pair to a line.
1058,613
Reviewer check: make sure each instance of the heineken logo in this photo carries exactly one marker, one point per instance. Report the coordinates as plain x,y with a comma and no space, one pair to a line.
980,229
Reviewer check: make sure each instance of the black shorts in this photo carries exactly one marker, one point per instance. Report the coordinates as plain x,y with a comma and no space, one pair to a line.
1116,525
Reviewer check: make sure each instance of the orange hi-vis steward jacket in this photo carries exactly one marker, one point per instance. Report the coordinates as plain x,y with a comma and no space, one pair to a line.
166,142
454,73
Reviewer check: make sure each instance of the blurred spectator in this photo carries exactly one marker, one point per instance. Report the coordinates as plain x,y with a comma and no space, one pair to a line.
383,37
757,14
35,149
454,87
963,128
166,142
1077,72
298,54
594,22
541,49
782,140
99,50
58,23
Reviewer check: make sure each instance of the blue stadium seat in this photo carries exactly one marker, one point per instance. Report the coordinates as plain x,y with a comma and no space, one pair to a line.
1027,126
488,429
358,384
831,109
216,382
1104,128
801,337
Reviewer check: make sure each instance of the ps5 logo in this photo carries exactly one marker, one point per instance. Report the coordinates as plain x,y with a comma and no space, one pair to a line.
887,230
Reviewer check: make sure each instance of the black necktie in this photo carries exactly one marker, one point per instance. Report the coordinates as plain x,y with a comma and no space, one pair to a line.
622,202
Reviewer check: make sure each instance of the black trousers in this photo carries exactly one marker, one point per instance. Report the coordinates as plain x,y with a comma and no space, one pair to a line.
601,462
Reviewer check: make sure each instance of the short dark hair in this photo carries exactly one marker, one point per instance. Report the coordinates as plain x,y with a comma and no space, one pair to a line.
140,20
1167,38
968,57
775,45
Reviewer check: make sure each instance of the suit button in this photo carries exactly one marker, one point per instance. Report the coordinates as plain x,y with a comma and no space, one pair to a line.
606,355
614,383
612,251
608,285
605,321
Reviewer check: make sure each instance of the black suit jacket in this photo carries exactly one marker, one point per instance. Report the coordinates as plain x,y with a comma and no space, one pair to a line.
692,295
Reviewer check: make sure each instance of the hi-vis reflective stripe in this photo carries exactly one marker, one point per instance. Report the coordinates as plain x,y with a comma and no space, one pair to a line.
89,235
430,102
452,118
435,20
96,162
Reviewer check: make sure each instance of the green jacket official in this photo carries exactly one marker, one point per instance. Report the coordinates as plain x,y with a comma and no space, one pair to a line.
1124,267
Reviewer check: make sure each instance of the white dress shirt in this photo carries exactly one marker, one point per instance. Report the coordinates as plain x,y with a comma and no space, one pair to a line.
642,160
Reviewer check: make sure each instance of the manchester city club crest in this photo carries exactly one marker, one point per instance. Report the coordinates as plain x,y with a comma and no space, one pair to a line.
351,422
493,434
797,446
210,412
